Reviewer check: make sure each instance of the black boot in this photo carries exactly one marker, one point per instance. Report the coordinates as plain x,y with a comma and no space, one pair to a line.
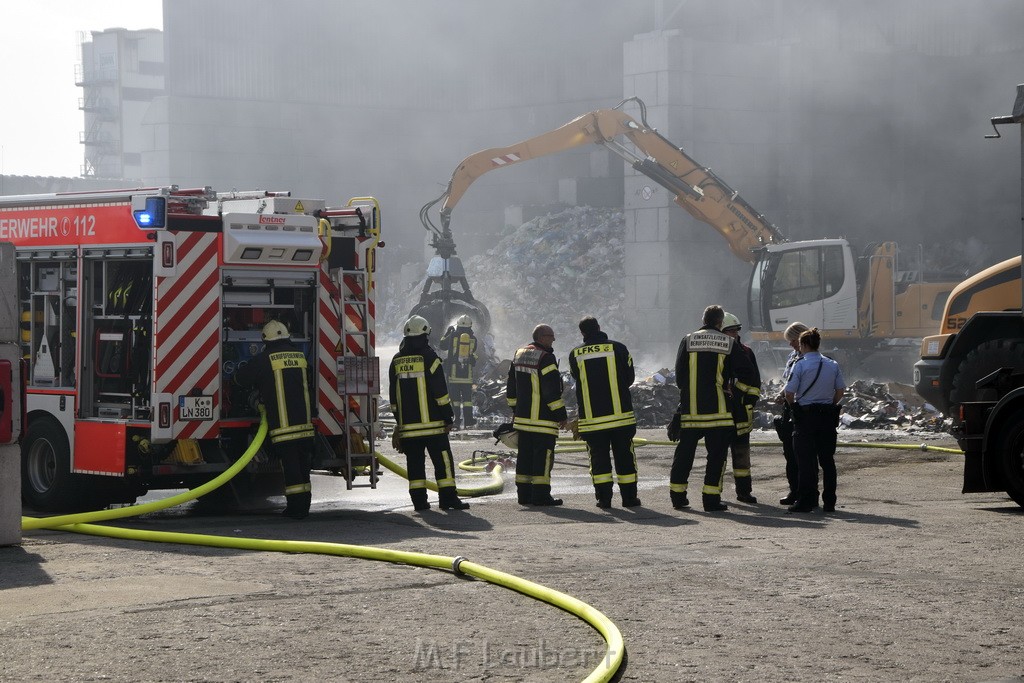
804,505
713,503
603,493
542,495
743,490
467,416
448,499
525,493
419,499
628,493
679,501
298,505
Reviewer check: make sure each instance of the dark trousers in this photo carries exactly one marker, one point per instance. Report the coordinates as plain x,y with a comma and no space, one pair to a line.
602,445
814,442
462,402
440,451
716,439
296,461
536,455
784,428
740,449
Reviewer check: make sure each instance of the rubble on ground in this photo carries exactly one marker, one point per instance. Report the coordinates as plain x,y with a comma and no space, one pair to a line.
553,269
867,405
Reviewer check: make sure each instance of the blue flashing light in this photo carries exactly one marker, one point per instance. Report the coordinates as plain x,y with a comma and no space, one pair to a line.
154,215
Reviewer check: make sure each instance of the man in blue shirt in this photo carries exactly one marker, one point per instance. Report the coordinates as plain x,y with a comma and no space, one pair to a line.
814,390
784,423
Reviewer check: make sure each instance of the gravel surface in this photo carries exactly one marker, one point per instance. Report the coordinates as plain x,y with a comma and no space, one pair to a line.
908,580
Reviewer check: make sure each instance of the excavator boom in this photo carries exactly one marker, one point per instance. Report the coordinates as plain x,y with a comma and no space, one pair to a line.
695,188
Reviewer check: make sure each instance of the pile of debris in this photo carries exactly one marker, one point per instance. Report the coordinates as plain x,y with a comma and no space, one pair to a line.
867,405
553,269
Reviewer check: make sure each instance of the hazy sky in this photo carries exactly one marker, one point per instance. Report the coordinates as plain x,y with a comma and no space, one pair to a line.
40,121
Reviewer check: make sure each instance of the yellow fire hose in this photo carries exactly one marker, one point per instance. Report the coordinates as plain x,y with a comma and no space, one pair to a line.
79,523
496,485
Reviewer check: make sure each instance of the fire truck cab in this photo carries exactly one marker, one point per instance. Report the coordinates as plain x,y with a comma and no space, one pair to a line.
137,306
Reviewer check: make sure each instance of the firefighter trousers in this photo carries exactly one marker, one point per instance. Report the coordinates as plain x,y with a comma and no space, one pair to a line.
716,439
602,446
296,461
440,451
740,450
462,402
535,457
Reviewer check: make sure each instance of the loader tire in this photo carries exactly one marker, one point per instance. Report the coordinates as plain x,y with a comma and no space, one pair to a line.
983,360
1010,447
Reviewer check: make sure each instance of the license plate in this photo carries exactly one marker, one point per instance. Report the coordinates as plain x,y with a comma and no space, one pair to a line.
195,407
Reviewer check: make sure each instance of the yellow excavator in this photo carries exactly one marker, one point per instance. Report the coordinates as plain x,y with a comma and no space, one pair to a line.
860,304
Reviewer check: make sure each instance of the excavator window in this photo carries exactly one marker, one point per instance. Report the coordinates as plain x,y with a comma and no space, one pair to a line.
807,275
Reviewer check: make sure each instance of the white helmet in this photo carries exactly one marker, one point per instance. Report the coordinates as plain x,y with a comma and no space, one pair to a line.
729,320
416,326
464,321
274,330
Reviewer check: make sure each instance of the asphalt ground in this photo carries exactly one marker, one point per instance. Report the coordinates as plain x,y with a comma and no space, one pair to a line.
907,580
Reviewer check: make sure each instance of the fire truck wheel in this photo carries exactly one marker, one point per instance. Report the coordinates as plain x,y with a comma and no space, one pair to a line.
46,482
1011,445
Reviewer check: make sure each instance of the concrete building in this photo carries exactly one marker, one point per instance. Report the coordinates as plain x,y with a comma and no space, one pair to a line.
120,74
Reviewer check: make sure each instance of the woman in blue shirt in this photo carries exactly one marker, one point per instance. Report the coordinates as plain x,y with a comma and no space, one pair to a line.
814,390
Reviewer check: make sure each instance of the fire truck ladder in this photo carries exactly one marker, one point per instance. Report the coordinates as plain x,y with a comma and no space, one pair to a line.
358,376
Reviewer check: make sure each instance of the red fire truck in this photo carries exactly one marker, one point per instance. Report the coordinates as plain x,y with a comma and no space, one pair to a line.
137,306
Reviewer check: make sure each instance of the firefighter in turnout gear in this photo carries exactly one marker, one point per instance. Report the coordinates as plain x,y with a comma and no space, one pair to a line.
459,343
280,374
603,370
746,390
704,373
534,393
422,408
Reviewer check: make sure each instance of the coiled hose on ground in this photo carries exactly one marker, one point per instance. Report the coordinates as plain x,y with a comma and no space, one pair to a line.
82,523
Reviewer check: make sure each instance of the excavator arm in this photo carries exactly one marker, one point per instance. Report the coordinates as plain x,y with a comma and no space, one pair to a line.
695,188
446,292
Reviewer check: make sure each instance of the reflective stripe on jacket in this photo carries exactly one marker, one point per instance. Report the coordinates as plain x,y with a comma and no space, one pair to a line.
459,346
418,391
704,368
280,374
603,370
534,390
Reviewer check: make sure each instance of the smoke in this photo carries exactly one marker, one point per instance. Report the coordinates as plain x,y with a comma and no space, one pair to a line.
863,119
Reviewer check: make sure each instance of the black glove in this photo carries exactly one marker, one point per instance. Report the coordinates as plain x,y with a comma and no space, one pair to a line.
674,428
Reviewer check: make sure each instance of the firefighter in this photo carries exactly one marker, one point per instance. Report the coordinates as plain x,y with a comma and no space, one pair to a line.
534,393
746,390
603,370
459,343
704,372
422,407
279,373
